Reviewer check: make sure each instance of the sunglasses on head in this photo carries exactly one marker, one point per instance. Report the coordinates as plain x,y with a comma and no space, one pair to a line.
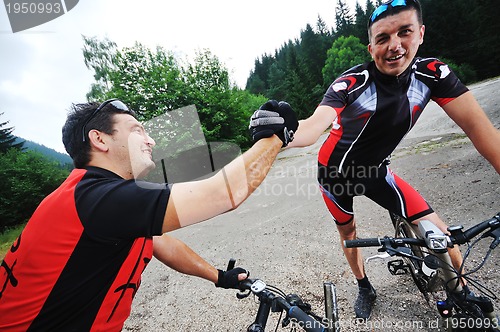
118,104
383,8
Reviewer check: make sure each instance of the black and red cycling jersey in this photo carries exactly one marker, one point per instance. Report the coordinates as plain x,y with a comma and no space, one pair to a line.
77,264
376,111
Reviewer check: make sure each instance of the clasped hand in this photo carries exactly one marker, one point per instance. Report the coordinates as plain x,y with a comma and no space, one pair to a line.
274,118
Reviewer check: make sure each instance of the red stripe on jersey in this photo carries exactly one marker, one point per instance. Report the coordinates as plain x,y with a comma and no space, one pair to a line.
414,202
329,145
116,307
433,65
340,216
442,101
22,300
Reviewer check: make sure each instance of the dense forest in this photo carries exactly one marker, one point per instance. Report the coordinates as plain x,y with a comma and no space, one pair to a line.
28,172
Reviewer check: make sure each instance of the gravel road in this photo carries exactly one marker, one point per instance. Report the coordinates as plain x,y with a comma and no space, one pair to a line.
284,235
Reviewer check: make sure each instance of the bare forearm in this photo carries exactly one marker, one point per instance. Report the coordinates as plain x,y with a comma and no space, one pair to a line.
485,137
468,114
255,164
487,143
312,128
178,256
193,202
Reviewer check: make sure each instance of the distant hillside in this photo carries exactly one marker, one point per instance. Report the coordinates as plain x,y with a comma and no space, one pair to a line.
62,158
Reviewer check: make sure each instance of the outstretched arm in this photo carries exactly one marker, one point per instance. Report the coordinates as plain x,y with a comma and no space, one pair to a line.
313,127
466,112
193,202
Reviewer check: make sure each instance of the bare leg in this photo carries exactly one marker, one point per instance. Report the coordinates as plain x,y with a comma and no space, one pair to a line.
366,293
353,255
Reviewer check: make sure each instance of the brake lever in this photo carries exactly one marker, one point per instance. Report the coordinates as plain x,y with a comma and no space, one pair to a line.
495,234
242,295
389,252
381,256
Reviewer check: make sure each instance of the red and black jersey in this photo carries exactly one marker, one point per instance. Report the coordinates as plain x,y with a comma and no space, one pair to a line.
77,264
375,111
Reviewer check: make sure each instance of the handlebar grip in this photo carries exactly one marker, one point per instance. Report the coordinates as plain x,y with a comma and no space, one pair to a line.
371,242
246,284
304,320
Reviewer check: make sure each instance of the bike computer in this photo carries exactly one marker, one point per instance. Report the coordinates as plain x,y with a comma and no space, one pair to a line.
258,286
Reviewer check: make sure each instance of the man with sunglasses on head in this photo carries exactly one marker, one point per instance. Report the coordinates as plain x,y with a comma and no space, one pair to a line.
78,263
371,107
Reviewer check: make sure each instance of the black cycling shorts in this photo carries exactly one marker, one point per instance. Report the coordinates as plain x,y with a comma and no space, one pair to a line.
379,184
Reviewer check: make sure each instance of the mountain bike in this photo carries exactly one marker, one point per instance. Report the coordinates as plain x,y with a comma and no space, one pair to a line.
298,314
424,254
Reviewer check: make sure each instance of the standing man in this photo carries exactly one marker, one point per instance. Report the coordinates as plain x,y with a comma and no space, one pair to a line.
372,107
78,263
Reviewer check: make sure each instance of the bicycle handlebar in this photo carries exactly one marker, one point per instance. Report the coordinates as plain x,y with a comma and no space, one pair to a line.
457,236
382,241
299,317
370,242
466,236
304,320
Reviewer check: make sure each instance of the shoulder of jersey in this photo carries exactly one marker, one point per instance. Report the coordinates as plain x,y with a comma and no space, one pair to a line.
432,67
352,79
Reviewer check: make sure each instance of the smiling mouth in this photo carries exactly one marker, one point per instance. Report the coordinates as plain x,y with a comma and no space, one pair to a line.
395,58
149,152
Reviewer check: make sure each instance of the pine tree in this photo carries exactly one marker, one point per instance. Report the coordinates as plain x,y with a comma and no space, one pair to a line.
343,19
7,140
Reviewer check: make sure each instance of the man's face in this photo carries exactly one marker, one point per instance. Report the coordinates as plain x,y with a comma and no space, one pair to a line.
395,41
132,146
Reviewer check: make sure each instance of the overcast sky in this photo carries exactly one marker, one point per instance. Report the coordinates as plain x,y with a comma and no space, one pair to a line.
42,71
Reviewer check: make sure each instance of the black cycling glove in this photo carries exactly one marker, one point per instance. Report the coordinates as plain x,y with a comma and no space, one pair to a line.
229,279
274,118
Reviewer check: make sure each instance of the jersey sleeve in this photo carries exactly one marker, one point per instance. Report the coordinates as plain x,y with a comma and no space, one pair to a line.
338,93
114,209
447,85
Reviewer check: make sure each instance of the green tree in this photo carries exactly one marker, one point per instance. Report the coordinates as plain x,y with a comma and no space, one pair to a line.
99,55
345,53
155,82
344,21
361,21
7,140
472,34
258,80
27,177
294,73
210,89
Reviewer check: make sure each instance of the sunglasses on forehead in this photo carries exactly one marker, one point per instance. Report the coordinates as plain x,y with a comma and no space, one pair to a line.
384,6
116,103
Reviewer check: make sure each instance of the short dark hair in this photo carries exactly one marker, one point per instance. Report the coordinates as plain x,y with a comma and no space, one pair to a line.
393,10
77,148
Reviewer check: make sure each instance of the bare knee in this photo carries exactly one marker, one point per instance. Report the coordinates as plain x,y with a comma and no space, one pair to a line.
434,218
347,230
